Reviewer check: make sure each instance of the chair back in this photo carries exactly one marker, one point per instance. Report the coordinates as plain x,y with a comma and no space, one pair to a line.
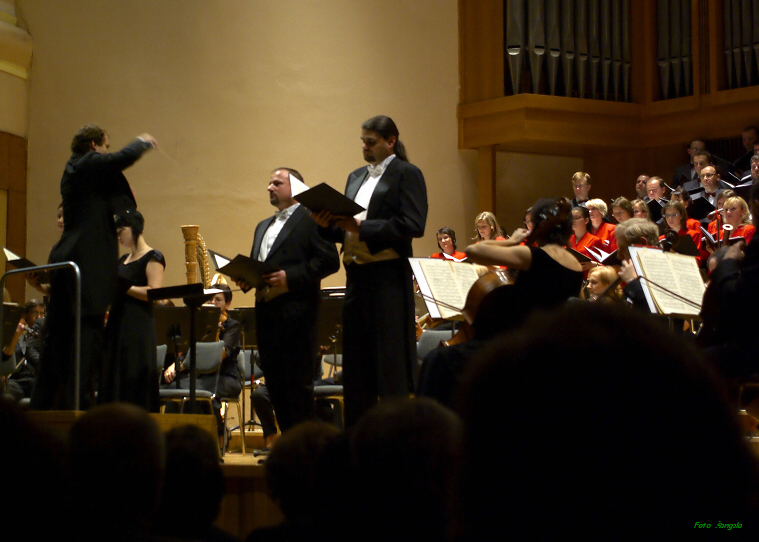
336,360
160,356
242,366
209,357
430,340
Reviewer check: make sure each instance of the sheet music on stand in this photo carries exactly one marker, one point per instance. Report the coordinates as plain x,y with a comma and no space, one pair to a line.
669,271
445,281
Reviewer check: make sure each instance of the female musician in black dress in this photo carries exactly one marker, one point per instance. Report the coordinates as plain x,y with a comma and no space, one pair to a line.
548,276
129,372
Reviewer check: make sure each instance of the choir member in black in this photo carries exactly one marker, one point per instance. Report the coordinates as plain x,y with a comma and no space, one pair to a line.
129,373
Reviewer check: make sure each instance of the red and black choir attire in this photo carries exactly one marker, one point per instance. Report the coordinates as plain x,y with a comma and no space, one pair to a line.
605,233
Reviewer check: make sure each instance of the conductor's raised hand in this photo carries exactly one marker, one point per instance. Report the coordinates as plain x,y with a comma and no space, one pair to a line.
147,138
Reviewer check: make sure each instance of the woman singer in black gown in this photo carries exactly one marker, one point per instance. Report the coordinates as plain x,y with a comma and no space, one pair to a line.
548,276
130,373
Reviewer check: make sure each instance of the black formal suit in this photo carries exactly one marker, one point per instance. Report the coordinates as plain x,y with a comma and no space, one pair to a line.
93,189
379,344
684,174
286,325
731,303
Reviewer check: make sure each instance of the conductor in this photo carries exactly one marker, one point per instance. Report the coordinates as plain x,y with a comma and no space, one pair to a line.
93,189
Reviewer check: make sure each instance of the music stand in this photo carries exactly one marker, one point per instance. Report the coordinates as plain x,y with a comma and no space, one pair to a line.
193,296
330,326
247,318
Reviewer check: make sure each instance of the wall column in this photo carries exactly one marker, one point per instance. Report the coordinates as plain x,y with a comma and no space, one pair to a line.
486,179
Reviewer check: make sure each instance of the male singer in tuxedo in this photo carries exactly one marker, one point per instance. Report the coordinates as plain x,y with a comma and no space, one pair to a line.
379,345
287,309
93,189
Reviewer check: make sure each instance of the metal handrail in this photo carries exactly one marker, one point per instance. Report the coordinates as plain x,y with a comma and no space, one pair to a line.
77,314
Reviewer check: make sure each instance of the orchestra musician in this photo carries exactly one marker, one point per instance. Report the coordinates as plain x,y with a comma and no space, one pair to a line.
446,241
638,232
548,276
229,382
599,279
378,314
734,290
23,351
93,189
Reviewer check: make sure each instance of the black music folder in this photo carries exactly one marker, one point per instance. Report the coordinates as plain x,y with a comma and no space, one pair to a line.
323,197
686,246
744,162
605,258
655,208
743,189
700,207
729,169
19,262
579,256
246,269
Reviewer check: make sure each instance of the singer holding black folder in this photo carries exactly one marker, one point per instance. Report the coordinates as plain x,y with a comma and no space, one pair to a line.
378,315
287,309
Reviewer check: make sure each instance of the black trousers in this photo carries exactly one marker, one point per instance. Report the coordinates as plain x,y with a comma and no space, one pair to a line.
379,344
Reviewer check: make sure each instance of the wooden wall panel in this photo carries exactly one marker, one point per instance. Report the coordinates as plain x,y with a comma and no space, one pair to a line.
481,60
13,160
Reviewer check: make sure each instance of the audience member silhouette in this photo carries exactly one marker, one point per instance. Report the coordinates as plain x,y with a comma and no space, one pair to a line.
193,487
292,476
117,461
628,436
404,457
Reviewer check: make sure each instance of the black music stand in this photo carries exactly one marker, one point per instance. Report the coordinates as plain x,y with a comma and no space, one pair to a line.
247,318
193,296
330,325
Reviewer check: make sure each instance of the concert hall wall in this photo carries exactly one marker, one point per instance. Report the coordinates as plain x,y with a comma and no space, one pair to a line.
233,89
